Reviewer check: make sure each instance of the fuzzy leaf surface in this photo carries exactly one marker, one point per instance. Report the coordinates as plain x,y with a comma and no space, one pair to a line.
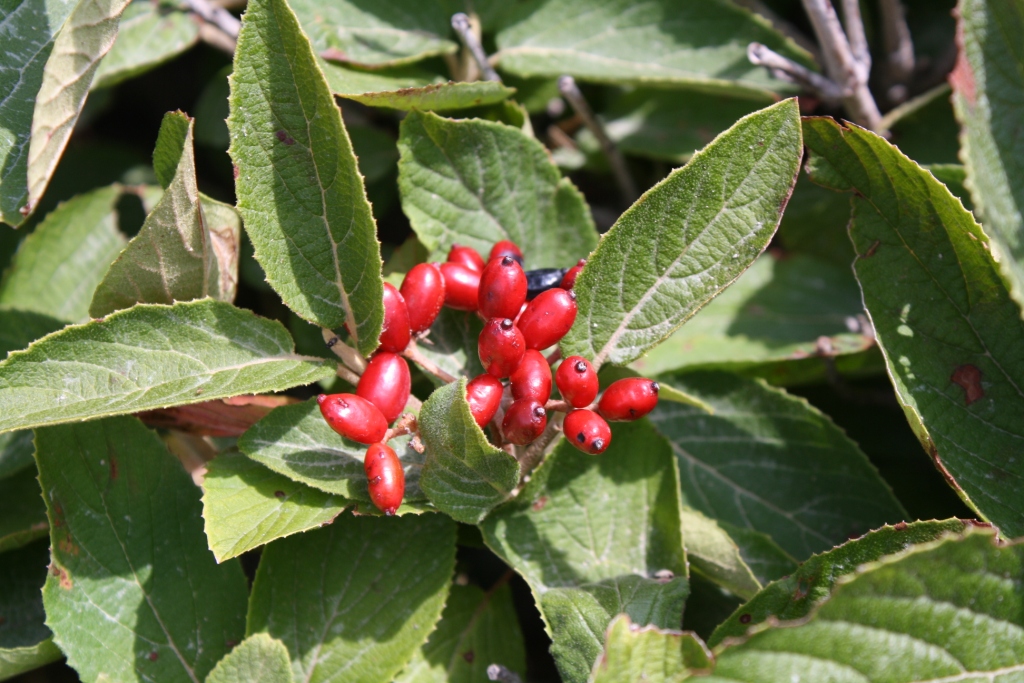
950,332
299,189
595,537
25,642
476,182
344,81
770,462
438,97
22,512
687,238
257,659
246,505
121,605
648,655
455,336
714,554
148,36
148,357
355,600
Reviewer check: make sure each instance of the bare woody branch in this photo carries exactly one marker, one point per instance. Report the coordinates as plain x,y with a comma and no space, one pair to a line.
899,49
216,15
822,86
463,26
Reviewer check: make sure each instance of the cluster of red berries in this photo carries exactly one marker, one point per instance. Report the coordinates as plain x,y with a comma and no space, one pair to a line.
525,312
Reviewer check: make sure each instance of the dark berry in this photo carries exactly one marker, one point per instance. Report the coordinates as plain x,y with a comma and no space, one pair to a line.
423,291
484,395
587,431
385,478
501,347
577,381
547,318
543,279
532,379
461,286
502,288
569,281
395,335
628,399
506,248
524,422
386,383
353,417
466,256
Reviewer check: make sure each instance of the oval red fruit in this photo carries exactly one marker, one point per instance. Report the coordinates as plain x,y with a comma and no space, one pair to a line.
461,286
502,288
569,279
506,248
353,417
532,379
484,395
547,318
466,256
385,478
587,431
628,399
423,291
524,422
397,332
577,381
501,347
386,384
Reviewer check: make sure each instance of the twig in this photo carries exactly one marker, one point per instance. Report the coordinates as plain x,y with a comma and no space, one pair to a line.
571,92
535,452
349,356
405,425
899,50
218,16
559,406
781,25
412,352
854,25
497,672
462,26
825,88
554,356
212,35
347,375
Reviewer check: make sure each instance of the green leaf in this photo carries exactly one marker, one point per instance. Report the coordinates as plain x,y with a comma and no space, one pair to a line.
924,128
715,555
22,512
149,35
18,329
84,39
150,357
246,505
687,238
16,449
296,442
795,596
776,311
133,593
659,42
943,317
648,655
437,97
455,336
299,189
944,610
355,600
770,462
763,555
815,223
988,85
344,81
477,629
257,659
173,256
476,182
25,642
225,228
595,537
464,475
58,267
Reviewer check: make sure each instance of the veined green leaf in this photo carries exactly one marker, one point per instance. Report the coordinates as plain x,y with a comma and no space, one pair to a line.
648,655
246,505
924,128
18,329
344,81
22,512
148,357
595,537
353,601
149,35
133,593
16,449
454,338
943,316
770,462
299,189
463,475
477,182
438,97
759,552
687,238
257,659
714,554
25,642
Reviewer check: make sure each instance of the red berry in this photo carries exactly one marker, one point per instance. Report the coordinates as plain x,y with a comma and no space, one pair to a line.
587,431
524,422
532,379
547,318
353,417
577,381
502,288
484,395
385,478
506,248
423,291
461,286
466,256
501,347
628,399
386,384
397,332
569,279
